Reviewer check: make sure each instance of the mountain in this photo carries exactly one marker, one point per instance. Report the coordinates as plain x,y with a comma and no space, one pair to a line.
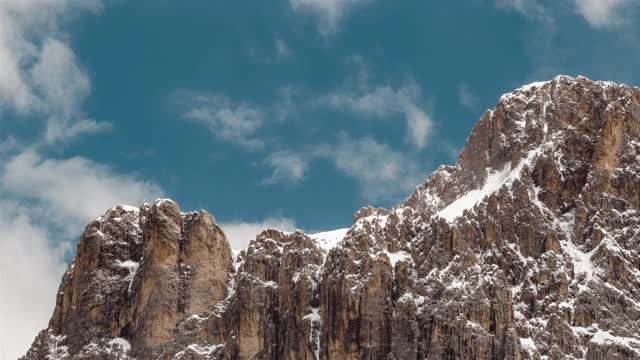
527,248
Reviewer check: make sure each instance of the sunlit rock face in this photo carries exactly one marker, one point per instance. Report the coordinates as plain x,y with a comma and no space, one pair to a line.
527,248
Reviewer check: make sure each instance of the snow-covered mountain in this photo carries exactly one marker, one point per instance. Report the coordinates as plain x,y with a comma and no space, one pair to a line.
527,248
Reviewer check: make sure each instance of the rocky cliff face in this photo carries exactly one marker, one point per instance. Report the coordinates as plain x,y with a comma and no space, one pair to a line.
527,248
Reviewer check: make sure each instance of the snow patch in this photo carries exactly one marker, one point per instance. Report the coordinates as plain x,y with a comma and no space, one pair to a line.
129,208
130,265
396,257
605,337
494,182
199,350
119,344
529,346
314,315
316,329
533,85
329,239
523,89
161,201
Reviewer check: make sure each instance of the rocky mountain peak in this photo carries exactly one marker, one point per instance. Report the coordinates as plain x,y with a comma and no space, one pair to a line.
526,248
565,121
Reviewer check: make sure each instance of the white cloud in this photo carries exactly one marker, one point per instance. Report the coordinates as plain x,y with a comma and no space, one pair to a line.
234,123
603,13
466,97
59,129
286,166
42,201
30,272
74,190
385,101
61,85
38,71
381,172
328,12
40,77
240,233
241,123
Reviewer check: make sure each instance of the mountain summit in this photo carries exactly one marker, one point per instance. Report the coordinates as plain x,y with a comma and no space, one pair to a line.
527,248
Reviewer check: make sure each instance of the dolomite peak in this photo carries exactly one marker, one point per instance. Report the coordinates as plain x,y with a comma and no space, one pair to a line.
526,248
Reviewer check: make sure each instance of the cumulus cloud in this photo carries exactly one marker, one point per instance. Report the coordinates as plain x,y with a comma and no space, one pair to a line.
286,167
43,203
38,71
382,172
30,271
233,123
329,13
385,101
74,189
240,233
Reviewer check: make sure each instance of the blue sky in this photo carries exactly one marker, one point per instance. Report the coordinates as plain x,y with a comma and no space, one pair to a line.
289,113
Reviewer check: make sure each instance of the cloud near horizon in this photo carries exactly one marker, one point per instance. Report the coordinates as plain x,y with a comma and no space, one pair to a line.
44,204
30,272
41,201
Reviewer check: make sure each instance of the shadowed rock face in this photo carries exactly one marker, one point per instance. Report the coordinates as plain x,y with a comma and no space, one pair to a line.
527,248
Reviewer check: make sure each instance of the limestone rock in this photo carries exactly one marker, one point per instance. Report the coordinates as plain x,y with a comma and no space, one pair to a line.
526,248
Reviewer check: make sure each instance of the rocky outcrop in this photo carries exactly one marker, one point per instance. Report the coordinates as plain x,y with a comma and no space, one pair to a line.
527,248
